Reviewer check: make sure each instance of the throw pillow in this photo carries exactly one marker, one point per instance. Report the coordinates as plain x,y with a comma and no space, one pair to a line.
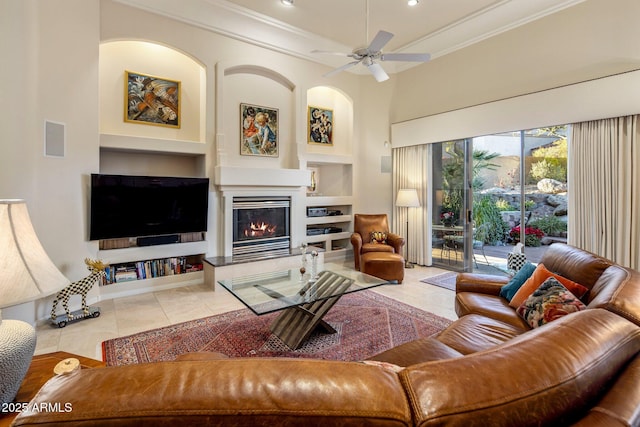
548,303
510,289
378,237
537,278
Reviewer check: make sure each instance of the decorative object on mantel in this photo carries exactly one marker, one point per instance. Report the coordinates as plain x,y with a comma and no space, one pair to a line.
81,287
319,125
258,131
313,188
26,274
151,100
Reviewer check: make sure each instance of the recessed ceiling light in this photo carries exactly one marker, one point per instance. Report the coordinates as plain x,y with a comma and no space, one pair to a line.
412,2
287,2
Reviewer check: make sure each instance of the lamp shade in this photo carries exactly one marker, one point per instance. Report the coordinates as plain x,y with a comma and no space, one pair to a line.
26,272
407,198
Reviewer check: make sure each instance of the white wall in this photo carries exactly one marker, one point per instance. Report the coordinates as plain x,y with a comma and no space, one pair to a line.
593,39
374,186
53,75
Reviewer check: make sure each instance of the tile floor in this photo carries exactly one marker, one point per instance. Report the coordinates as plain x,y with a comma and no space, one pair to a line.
128,315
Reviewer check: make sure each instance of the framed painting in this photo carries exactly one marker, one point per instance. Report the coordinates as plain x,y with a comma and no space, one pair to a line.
320,125
151,100
258,131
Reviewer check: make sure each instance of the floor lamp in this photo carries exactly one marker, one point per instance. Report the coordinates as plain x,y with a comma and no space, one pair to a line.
26,274
407,198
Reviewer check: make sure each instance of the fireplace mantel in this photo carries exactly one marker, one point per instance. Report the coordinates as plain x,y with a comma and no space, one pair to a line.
234,181
228,176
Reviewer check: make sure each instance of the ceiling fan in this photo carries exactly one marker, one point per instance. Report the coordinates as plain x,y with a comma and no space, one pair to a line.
369,55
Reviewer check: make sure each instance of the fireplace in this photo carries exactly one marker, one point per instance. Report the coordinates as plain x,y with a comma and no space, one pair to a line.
261,227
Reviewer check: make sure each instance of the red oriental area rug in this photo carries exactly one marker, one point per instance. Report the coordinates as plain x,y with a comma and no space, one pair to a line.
367,324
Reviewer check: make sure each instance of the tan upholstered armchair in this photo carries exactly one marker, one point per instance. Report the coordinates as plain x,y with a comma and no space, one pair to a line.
361,239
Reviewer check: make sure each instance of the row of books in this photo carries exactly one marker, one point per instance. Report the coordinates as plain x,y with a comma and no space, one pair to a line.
149,269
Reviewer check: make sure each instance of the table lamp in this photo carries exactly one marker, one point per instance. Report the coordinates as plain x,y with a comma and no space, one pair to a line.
407,198
26,274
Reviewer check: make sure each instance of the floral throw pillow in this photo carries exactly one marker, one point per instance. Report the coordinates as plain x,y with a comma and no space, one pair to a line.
549,302
378,237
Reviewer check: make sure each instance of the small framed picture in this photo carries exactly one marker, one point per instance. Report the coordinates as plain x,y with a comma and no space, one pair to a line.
258,131
320,125
151,100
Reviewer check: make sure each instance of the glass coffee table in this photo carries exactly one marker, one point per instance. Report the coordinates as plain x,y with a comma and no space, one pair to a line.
303,302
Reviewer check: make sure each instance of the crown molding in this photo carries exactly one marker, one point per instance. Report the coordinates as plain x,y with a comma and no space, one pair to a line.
239,23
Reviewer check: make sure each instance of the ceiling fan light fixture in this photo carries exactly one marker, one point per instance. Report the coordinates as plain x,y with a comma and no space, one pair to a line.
413,2
287,2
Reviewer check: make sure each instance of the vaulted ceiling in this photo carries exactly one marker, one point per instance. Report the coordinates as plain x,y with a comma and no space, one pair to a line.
437,27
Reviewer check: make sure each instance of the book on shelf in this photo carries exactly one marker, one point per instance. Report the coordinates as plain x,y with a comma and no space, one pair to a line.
149,269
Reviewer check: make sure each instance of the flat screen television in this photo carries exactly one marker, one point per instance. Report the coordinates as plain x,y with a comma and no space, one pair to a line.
135,206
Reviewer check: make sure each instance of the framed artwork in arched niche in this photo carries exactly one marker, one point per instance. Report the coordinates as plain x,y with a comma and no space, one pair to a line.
151,100
319,125
258,131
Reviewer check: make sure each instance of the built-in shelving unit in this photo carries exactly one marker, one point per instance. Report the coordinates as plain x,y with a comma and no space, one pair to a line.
177,269
131,155
333,193
111,142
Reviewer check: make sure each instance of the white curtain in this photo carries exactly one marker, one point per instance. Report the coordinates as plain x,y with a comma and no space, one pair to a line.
604,189
411,170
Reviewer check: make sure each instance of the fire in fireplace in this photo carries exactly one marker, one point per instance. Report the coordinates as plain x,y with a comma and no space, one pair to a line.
261,226
260,230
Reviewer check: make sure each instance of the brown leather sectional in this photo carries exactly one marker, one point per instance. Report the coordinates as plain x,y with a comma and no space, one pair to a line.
487,368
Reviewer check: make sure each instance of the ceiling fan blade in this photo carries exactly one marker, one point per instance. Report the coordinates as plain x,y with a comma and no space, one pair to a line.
378,73
339,69
379,41
408,57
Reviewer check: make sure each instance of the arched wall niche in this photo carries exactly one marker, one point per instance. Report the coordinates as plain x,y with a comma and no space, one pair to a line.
260,71
118,56
341,104
254,83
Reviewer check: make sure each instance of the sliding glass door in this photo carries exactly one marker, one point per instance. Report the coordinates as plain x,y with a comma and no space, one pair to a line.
520,193
451,243
487,194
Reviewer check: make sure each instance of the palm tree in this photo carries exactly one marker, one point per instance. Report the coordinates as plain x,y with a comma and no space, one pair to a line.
453,174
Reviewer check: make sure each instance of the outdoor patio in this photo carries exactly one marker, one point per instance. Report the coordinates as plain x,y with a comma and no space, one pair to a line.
534,254
496,258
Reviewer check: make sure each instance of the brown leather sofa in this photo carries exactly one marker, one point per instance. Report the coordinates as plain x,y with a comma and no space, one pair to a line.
487,368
